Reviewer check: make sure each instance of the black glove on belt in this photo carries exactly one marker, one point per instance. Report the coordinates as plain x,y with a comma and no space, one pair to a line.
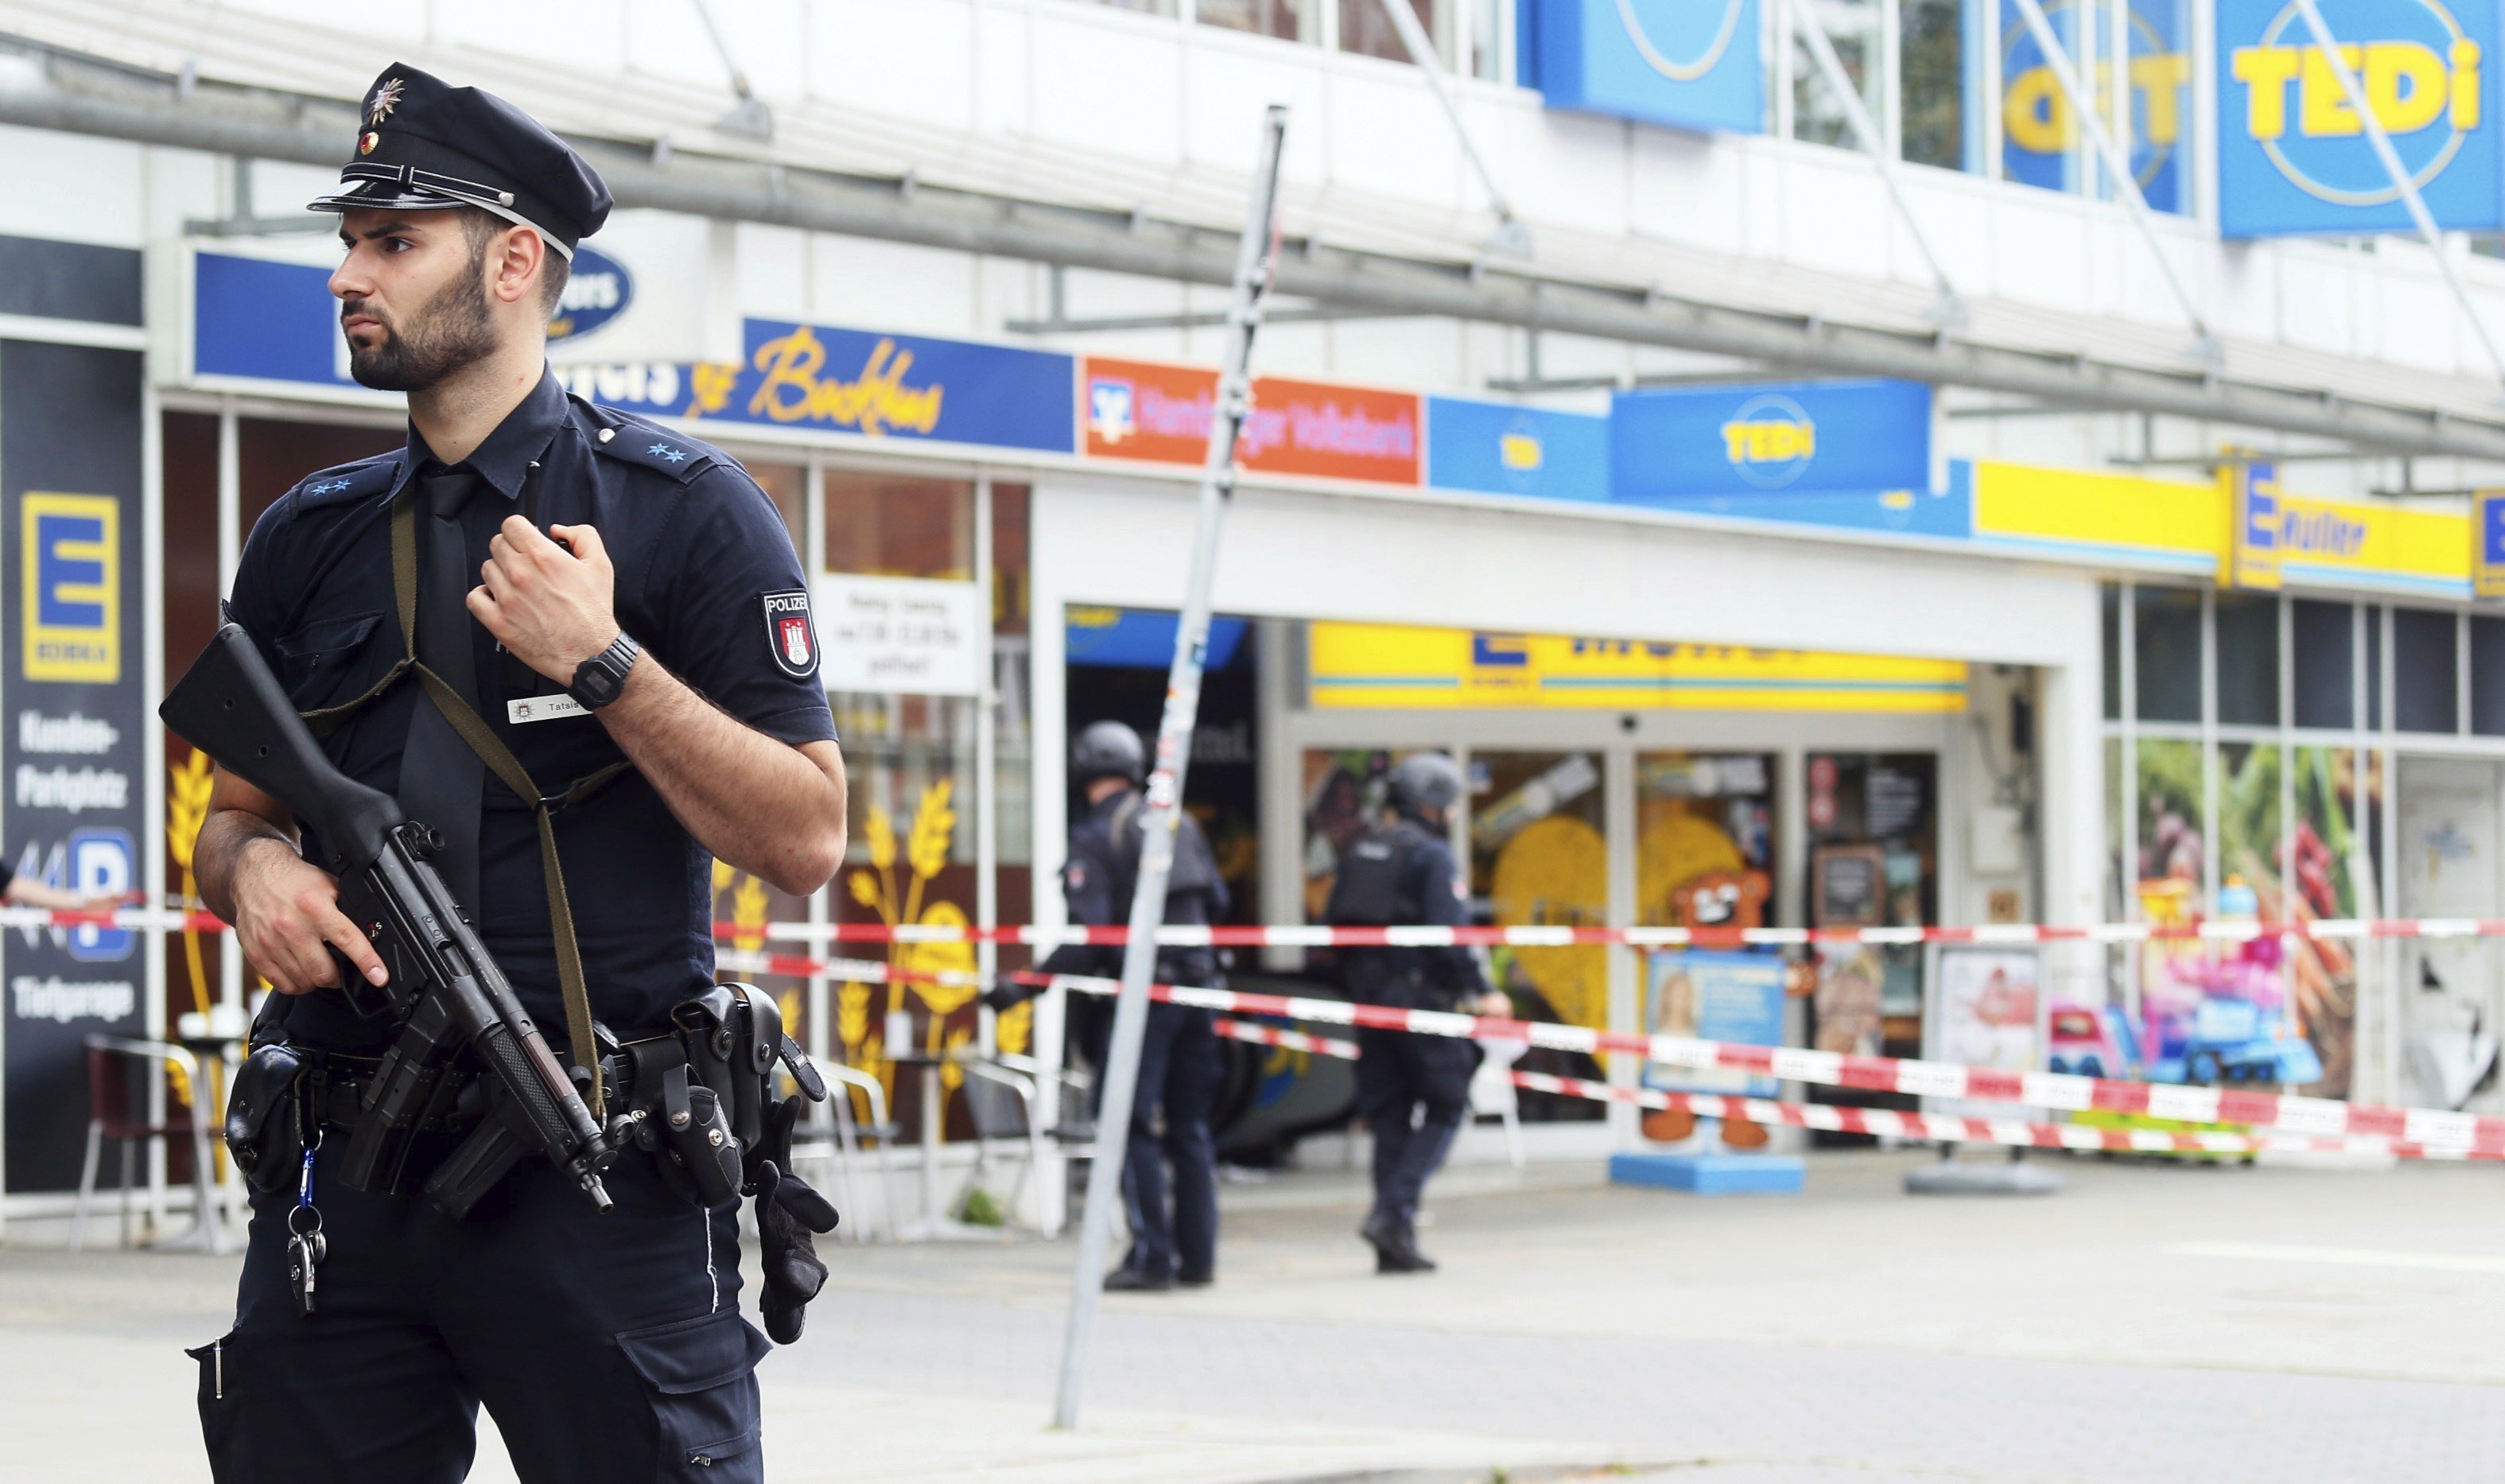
788,1210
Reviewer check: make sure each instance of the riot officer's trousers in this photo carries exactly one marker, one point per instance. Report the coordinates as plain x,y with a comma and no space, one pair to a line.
606,1346
1179,1070
1414,1092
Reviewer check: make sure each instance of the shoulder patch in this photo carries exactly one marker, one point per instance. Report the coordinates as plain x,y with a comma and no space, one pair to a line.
348,482
790,637
633,440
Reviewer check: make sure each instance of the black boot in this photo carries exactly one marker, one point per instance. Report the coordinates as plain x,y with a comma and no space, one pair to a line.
1131,1280
1396,1246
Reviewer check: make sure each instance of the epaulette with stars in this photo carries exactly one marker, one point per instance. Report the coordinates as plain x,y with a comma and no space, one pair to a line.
633,440
348,482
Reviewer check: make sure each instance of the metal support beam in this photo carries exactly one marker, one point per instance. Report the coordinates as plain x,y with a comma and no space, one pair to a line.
226,121
2082,107
1512,237
2391,160
1101,324
1865,131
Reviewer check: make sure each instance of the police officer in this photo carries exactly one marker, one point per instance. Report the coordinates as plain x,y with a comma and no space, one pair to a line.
1178,1057
621,606
1413,1091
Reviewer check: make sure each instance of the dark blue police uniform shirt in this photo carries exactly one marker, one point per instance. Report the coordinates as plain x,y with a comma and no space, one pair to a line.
698,549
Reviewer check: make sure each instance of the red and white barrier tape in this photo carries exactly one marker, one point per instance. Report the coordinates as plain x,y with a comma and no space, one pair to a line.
1932,1128
2463,1133
2008,935
1317,936
2457,1134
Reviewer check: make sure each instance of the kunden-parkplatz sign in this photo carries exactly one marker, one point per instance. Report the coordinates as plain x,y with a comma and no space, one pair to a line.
2293,154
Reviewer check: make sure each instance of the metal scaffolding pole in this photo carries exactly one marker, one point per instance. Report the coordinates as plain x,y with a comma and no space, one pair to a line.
1254,254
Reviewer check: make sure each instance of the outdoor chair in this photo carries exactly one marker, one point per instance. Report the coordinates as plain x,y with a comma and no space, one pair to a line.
832,1134
122,1074
1003,1095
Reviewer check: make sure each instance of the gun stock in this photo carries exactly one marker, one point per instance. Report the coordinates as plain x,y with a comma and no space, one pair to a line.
230,707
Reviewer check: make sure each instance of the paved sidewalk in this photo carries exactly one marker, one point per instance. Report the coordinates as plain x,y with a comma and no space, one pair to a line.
2148,1324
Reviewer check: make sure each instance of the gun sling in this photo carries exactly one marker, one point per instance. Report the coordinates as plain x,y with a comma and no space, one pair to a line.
507,769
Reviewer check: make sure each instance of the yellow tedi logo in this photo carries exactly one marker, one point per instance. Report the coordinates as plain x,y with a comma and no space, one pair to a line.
2412,85
1769,441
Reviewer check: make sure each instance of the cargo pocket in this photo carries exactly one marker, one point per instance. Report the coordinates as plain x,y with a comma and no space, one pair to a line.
220,1405
702,1376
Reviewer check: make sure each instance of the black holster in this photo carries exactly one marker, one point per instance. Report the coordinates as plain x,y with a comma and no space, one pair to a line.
266,1114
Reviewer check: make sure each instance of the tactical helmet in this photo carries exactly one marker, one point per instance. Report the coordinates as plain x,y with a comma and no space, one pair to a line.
1108,749
1424,781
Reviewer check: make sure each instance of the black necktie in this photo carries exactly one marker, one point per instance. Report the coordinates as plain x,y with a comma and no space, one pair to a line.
440,778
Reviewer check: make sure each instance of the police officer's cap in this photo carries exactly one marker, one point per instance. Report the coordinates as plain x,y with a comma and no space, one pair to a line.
1424,781
1109,750
423,145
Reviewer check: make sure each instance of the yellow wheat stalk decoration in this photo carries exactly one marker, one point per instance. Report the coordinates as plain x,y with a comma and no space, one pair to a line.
186,809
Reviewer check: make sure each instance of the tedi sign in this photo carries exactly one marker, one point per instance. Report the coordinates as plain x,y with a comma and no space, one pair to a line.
2293,154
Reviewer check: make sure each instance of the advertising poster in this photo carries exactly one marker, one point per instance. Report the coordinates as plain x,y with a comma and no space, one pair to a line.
1985,1016
70,680
1730,997
1845,1006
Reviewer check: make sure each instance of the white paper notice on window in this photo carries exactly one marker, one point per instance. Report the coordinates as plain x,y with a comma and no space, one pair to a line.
900,635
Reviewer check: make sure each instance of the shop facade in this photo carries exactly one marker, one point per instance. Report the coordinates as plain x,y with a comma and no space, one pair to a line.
1782,639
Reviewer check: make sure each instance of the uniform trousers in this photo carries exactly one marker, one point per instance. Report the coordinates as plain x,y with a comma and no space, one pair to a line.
1413,1093
607,1347
1179,1070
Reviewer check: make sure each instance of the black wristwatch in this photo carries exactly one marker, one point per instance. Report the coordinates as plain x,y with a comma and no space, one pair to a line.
598,680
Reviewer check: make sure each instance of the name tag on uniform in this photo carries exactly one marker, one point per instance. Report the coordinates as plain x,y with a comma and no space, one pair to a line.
542,708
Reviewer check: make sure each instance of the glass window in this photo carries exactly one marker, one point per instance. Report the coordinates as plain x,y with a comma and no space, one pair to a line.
1286,19
897,525
2487,676
2424,698
788,486
1874,862
2326,671
1486,39
1705,843
1931,59
2165,636
1852,25
2247,659
1145,7
1365,27
2111,617
1538,854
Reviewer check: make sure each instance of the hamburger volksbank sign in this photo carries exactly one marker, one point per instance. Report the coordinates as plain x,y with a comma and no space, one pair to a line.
2293,156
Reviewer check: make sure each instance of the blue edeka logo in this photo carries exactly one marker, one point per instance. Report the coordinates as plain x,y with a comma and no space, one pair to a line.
2421,70
596,292
1770,441
71,548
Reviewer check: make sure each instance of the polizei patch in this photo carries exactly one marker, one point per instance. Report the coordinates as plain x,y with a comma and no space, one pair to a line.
789,635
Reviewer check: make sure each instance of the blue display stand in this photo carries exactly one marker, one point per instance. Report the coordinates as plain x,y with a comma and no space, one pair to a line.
1711,1174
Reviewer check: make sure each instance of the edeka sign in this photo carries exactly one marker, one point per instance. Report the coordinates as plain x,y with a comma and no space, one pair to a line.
1690,64
889,386
72,734
1781,436
2258,525
2293,156
1158,414
1496,448
2487,544
2041,143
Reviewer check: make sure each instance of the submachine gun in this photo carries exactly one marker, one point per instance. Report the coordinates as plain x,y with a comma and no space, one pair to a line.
444,994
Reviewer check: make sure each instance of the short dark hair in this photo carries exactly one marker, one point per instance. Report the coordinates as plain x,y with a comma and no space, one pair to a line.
480,227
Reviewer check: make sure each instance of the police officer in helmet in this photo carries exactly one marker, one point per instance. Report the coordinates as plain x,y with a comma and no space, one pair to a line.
1172,1242
614,610
1412,1091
